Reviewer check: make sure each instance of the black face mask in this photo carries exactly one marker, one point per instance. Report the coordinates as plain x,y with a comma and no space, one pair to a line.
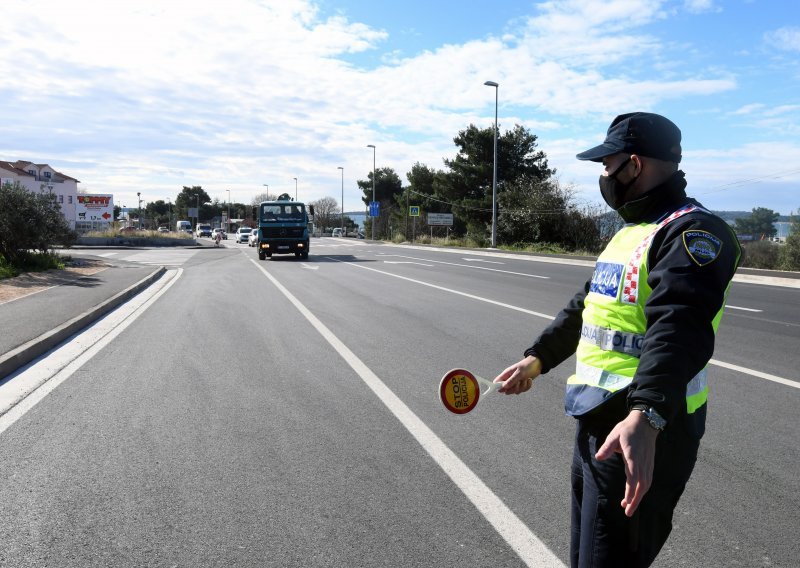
613,190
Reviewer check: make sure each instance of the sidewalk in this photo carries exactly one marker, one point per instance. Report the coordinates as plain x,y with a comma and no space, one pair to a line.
40,310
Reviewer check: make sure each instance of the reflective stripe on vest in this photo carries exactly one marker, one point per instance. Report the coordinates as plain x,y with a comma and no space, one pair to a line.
614,323
612,339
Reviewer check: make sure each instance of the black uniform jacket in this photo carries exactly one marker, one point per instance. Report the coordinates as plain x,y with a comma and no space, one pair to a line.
686,297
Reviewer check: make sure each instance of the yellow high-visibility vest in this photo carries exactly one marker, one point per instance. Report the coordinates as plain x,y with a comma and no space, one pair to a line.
614,323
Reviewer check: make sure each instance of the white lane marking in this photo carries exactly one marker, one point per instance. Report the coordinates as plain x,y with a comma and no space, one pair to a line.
516,533
406,262
23,390
309,266
481,260
105,254
753,372
745,370
469,266
450,290
728,306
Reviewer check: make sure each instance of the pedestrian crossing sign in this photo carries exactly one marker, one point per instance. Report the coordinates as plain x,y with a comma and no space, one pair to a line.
413,211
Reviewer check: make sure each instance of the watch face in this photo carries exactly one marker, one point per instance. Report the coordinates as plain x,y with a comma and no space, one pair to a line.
655,419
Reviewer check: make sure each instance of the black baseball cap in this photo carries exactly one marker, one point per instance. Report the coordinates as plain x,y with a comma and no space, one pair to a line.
641,133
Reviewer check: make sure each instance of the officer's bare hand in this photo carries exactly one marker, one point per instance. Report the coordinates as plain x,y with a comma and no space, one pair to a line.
518,378
635,439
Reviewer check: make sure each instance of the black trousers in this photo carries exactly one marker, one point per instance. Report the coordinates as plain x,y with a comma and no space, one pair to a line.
602,536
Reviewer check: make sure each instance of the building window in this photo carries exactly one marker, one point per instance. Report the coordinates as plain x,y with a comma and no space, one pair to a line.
47,174
69,200
32,172
60,198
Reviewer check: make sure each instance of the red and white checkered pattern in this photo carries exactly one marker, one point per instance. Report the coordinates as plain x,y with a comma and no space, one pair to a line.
630,290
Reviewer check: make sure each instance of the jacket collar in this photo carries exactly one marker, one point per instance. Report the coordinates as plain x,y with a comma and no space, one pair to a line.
660,200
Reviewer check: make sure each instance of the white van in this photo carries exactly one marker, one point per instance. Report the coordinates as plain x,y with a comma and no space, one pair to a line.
337,232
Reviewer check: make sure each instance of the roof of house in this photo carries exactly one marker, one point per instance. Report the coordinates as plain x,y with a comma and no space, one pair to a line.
19,166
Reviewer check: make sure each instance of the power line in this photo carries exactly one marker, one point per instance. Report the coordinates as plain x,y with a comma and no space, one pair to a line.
743,182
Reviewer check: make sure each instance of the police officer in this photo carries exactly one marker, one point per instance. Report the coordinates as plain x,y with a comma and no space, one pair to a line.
642,330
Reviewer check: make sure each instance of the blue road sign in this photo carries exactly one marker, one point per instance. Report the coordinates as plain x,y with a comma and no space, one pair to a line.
374,208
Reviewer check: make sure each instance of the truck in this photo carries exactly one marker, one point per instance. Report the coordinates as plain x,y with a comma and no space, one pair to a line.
184,227
283,227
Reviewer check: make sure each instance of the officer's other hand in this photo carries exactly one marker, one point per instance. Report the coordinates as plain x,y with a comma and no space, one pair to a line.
518,378
635,439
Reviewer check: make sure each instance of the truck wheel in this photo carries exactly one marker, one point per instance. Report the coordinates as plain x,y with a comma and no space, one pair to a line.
305,254
261,255
297,254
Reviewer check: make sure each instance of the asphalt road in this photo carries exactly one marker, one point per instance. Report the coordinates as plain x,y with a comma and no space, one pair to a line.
285,413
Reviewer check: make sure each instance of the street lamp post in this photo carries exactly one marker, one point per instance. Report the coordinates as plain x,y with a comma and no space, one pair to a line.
139,197
494,167
341,168
228,222
295,189
197,210
373,185
169,225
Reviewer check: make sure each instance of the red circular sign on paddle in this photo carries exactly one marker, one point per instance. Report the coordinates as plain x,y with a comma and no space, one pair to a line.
459,391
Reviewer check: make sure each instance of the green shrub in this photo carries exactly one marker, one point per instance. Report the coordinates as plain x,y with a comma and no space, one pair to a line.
790,253
761,254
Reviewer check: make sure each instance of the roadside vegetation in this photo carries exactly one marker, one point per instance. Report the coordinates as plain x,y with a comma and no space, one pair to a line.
144,233
31,225
767,254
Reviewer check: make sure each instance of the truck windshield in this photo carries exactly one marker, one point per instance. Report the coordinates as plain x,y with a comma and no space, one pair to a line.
276,213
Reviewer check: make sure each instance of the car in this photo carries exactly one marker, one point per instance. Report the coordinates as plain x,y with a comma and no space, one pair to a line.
252,240
223,235
243,234
337,232
163,229
128,230
203,230
360,234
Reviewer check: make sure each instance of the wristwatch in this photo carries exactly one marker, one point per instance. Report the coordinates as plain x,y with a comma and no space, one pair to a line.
653,418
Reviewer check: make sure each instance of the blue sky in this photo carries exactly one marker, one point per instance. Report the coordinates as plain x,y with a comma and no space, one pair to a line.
149,96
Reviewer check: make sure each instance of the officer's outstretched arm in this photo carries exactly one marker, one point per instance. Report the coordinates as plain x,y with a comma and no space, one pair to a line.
518,378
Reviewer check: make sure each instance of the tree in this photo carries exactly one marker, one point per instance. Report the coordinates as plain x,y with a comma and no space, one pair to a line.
387,186
192,197
468,183
30,221
266,196
761,223
790,251
326,213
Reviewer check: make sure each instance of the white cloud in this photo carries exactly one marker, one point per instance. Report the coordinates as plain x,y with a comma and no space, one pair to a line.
701,6
152,95
786,39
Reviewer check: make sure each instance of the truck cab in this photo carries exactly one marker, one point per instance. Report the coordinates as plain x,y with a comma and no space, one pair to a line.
283,227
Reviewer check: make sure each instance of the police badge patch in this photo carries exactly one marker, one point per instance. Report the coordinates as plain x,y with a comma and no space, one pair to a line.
702,246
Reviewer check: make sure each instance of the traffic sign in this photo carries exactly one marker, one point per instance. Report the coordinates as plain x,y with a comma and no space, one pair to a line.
460,390
374,208
444,219
413,211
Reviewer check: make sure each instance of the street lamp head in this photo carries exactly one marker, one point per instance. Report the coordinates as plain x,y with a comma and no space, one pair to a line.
371,146
340,168
491,84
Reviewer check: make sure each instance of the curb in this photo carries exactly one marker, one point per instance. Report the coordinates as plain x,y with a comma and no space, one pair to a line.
24,354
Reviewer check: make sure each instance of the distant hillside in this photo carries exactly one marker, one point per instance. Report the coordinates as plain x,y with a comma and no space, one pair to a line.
731,216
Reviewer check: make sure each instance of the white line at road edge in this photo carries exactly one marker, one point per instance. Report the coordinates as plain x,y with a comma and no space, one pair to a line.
745,370
96,336
526,544
753,372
